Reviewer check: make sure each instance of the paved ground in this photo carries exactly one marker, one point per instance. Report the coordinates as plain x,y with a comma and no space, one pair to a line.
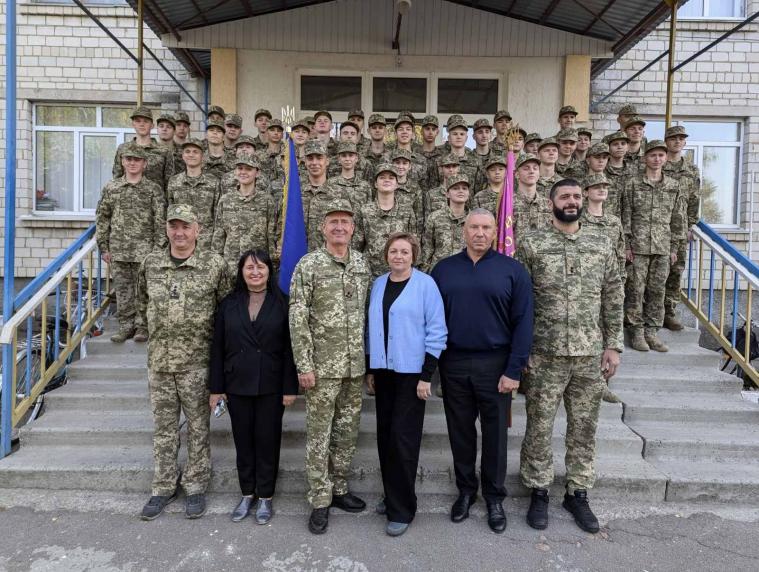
42,531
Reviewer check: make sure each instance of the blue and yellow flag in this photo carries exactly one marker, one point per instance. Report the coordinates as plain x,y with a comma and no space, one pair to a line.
293,242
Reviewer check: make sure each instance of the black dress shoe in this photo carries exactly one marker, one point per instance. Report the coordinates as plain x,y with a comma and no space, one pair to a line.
319,520
460,509
537,515
578,505
348,502
496,517
242,510
264,511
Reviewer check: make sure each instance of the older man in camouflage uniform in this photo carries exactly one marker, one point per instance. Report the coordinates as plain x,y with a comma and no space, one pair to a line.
652,219
130,223
444,229
327,310
160,160
687,174
577,342
179,289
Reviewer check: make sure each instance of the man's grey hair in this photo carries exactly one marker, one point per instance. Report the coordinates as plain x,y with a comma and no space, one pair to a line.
478,211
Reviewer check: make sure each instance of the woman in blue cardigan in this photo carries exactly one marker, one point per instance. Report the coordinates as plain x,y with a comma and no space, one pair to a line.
406,333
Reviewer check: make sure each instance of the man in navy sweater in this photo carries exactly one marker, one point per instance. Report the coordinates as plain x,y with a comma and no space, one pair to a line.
489,312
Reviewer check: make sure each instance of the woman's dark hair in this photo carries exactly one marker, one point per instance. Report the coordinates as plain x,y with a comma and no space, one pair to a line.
257,255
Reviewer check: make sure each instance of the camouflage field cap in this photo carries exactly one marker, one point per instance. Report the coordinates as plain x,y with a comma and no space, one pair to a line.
496,160
407,113
455,180
346,147
403,119
356,113
456,121
321,112
532,137
168,118
599,148
635,120
628,110
385,168
655,144
314,147
193,142
568,110
233,119
480,123
548,141
585,131
431,120
182,212
182,117
616,136
449,159
275,124
522,132
595,179
309,119
674,131
526,158
142,111
246,159
245,140
377,118
339,206
302,123
350,123
260,112
215,123
501,114
400,154
134,150
568,134
218,109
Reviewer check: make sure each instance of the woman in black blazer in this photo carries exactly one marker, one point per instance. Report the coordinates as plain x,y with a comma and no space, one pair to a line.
252,368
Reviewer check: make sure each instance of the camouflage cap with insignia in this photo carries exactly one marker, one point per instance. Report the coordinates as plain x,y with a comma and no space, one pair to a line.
674,131
568,110
628,109
346,147
233,119
501,114
134,150
377,118
548,141
480,123
532,137
142,111
301,123
595,179
245,139
323,112
403,119
275,124
182,212
526,158
496,160
339,206
349,123
400,154
356,113
616,136
218,109
635,120
314,147
385,168
182,117
599,148
247,159
260,112
456,179
449,159
456,121
431,120
655,144
168,118
585,131
407,113
215,123
568,134
193,142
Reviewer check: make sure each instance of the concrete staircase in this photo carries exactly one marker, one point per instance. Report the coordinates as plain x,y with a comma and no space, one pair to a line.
686,434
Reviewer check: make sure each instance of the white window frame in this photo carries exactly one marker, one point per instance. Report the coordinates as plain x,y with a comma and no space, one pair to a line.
401,74
120,133
739,6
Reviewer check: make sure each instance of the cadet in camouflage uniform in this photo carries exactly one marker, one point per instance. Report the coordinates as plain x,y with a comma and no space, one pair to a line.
687,175
487,198
216,113
166,128
566,163
376,152
596,219
652,219
347,183
179,289
322,130
272,158
195,188
635,128
437,198
216,161
548,153
160,161
469,164
567,117
328,296
430,149
481,131
246,218
404,141
261,118
594,163
244,146
625,113
531,143
316,194
408,189
616,171
577,342
363,169
129,224
530,210
444,230
233,130
380,218
182,130
357,116
584,141
502,124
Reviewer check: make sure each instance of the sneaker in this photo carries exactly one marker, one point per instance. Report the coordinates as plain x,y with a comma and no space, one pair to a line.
396,528
577,504
319,520
195,506
141,336
122,335
537,515
655,343
672,323
155,505
638,342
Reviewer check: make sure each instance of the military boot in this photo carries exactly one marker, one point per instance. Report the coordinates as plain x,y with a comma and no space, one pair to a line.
122,335
141,336
577,504
610,397
638,341
672,323
655,343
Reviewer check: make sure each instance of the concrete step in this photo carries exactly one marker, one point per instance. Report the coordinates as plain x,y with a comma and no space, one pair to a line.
687,407
684,378
114,369
678,355
705,480
693,441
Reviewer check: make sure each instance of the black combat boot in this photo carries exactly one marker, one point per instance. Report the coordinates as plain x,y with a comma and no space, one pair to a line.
578,505
537,515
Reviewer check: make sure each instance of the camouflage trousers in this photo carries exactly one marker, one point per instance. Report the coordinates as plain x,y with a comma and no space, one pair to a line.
125,284
333,413
578,381
170,393
672,287
644,292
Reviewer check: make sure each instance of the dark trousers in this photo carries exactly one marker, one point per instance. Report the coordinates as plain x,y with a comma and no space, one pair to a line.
470,390
400,419
257,432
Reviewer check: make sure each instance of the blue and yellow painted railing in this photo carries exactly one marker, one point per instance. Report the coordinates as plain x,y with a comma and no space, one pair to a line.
715,267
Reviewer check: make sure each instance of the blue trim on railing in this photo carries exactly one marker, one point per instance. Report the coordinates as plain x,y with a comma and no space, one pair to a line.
729,248
711,286
26,294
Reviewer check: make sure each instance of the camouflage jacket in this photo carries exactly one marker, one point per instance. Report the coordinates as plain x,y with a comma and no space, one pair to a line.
374,225
578,292
545,183
218,166
443,237
609,226
687,174
652,215
434,200
411,192
617,177
356,190
635,160
259,144
469,165
130,219
568,170
376,158
202,194
530,214
272,164
486,199
364,169
160,165
315,199
180,302
327,314
244,223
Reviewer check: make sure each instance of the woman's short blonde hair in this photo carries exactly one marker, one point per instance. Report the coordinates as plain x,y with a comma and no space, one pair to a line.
408,237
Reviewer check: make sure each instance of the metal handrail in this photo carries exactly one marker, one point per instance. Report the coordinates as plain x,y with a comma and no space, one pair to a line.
81,286
736,269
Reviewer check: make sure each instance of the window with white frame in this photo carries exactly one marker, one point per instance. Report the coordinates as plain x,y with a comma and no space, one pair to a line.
715,148
74,148
716,9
